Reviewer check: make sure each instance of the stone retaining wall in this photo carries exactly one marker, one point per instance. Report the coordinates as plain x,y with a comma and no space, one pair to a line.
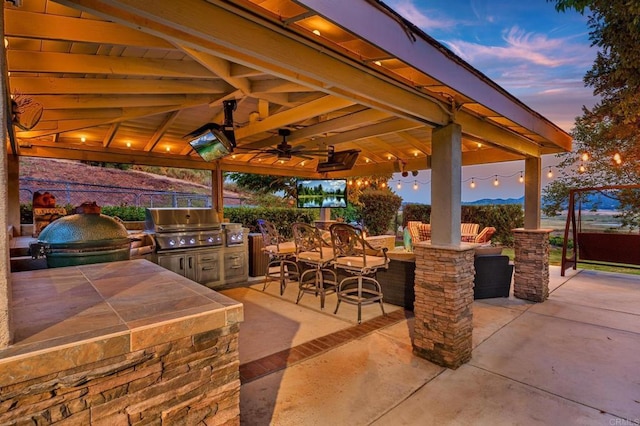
189,381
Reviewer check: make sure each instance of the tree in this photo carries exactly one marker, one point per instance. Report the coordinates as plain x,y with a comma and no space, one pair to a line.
608,135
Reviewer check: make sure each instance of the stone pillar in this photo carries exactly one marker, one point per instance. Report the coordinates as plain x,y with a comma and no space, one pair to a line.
531,277
443,303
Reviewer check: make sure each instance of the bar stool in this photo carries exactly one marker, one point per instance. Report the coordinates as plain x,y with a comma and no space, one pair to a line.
312,250
353,254
281,256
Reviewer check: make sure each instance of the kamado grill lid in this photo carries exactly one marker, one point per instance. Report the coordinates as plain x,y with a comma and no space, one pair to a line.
84,229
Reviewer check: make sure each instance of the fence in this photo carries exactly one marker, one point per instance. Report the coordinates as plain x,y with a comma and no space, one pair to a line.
74,193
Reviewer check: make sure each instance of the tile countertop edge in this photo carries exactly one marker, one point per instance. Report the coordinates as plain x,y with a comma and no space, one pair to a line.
25,362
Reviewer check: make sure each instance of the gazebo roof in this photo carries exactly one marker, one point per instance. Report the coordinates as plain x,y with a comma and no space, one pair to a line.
126,80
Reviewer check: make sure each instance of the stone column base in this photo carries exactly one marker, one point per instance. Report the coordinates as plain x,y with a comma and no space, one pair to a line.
443,303
531,277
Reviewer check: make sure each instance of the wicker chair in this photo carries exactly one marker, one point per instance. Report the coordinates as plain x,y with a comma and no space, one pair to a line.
281,256
313,251
356,257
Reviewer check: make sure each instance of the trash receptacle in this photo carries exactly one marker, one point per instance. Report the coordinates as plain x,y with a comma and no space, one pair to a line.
258,260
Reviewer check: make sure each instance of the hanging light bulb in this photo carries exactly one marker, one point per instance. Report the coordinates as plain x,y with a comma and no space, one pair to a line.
521,178
472,184
585,156
415,185
383,184
350,182
617,158
549,173
358,183
496,182
399,185
581,169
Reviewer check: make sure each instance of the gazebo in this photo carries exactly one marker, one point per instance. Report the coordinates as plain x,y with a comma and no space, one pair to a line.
125,80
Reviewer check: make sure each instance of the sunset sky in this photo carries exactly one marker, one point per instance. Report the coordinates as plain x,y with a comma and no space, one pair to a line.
537,54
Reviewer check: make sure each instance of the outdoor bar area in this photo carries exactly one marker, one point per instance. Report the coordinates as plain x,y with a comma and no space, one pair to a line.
327,89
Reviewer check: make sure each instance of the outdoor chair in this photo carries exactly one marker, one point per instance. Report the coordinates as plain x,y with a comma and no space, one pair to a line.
355,256
316,254
485,235
469,232
281,256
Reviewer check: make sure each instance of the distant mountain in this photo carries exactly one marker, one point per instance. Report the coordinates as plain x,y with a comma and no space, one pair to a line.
594,201
493,201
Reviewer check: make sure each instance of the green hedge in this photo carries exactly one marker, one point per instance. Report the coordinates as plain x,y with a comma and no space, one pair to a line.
503,217
126,213
379,207
283,218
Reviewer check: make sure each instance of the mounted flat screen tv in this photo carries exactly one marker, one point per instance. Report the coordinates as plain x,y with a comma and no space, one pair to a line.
210,143
318,193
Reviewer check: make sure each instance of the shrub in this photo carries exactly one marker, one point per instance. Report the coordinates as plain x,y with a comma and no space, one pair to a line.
282,218
379,207
417,212
127,213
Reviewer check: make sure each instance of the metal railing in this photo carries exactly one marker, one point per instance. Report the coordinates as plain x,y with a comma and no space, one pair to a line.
74,193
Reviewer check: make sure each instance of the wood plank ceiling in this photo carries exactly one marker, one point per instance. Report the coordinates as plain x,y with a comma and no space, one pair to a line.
126,80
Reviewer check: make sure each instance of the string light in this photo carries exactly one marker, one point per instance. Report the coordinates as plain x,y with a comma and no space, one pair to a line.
399,185
617,158
581,169
415,185
585,156
496,182
550,173
472,184
521,178
383,185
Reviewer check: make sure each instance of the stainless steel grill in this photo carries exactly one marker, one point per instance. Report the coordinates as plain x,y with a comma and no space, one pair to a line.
192,242
183,228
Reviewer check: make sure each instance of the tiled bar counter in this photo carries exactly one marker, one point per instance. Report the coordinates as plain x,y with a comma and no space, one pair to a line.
119,343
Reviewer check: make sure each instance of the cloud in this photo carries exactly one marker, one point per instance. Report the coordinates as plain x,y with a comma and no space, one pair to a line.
520,46
426,19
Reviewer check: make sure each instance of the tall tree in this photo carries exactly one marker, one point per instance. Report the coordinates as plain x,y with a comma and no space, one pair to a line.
607,136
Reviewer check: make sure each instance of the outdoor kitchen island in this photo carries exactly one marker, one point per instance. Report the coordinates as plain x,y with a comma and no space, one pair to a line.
119,343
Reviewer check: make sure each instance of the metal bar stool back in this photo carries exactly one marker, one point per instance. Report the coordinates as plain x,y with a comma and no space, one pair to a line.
355,256
313,251
281,256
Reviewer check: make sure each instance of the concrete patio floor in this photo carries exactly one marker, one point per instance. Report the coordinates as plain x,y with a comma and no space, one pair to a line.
570,360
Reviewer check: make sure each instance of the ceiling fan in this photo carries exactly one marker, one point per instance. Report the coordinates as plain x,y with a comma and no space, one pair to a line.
283,151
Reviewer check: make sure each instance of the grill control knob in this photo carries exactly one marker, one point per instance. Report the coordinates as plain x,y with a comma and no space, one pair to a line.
210,239
172,242
192,241
182,241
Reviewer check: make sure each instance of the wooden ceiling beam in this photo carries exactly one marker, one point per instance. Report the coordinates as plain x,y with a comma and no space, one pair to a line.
126,114
107,101
108,138
70,63
293,115
162,129
389,126
42,26
277,85
112,86
220,67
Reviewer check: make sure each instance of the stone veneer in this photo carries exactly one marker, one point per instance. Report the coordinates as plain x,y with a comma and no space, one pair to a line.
120,343
531,277
193,380
443,303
